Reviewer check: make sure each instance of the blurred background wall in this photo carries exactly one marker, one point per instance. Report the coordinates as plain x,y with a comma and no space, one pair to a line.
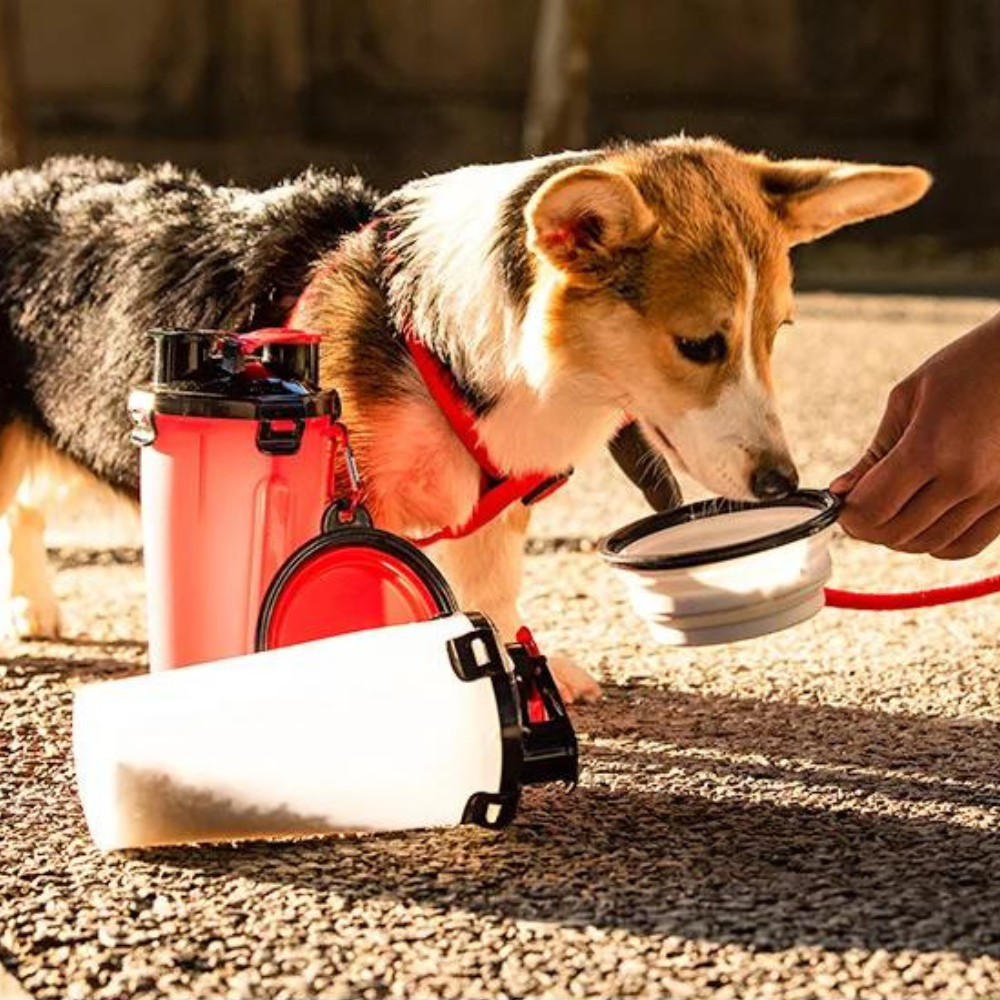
254,89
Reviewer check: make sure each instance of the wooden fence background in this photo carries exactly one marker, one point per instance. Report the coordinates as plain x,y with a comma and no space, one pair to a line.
254,89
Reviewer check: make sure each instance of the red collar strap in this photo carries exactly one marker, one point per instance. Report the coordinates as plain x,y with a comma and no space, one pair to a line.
496,491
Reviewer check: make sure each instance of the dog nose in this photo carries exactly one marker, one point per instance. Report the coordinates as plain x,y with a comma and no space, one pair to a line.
772,482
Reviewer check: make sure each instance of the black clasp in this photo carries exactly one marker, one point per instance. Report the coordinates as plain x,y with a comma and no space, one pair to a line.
343,513
477,653
280,429
275,437
546,489
494,810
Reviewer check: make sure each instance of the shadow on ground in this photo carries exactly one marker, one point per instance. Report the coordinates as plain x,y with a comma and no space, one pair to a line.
765,824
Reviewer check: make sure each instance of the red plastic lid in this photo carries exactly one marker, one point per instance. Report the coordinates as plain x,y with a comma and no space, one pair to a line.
350,579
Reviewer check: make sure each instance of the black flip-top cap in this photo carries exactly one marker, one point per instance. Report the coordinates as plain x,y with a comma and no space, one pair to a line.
538,744
262,375
197,356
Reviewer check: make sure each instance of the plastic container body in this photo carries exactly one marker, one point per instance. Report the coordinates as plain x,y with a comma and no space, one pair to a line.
237,449
375,730
219,517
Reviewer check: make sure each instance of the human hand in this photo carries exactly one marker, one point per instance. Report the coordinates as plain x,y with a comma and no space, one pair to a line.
930,480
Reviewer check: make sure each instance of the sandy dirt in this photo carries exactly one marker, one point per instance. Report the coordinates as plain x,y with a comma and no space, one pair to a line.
811,814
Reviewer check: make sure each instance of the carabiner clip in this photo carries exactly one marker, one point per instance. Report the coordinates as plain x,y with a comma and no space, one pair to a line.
350,509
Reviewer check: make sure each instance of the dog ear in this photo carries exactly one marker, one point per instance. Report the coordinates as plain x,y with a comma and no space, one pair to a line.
582,216
815,197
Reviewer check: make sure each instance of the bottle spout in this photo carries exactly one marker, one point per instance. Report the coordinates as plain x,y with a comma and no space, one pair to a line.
548,740
550,754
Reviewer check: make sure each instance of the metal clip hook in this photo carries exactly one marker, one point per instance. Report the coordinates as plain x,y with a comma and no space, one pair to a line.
349,509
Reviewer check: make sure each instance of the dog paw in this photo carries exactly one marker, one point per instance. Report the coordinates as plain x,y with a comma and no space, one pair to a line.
575,684
32,619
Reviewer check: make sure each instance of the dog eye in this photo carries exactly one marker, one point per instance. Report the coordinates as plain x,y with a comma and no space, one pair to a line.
703,350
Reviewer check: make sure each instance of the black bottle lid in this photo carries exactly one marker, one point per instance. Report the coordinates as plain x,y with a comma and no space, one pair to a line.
264,374
195,358
271,376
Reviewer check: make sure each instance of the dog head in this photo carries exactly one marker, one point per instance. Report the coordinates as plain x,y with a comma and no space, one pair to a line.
662,270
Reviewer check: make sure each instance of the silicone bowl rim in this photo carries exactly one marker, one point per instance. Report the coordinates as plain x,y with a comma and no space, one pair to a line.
827,505
352,536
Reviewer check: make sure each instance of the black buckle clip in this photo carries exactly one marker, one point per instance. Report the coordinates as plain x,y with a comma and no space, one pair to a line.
494,810
279,431
476,654
546,488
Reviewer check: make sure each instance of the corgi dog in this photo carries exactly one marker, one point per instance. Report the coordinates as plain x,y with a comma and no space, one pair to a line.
561,295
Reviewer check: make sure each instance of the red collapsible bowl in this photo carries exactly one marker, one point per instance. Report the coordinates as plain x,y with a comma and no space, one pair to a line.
349,580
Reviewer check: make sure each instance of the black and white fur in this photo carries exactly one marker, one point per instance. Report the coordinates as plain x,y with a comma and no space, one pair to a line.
93,254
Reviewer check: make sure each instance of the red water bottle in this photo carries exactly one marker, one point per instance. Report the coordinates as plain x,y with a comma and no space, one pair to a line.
237,463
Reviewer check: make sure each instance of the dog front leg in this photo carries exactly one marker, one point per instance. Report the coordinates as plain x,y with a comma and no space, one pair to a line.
485,570
28,607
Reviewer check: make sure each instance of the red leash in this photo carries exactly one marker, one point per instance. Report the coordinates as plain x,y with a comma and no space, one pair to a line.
906,600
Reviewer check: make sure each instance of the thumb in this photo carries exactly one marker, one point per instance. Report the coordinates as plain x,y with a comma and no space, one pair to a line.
846,481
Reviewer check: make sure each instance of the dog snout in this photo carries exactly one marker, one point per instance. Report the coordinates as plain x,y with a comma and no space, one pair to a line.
773,480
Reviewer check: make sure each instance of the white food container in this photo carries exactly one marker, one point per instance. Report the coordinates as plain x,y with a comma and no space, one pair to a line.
417,725
720,570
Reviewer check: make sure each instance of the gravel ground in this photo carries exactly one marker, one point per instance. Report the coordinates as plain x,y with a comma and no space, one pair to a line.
812,814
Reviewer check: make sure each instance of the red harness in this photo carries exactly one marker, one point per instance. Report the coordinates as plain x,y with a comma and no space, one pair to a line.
496,490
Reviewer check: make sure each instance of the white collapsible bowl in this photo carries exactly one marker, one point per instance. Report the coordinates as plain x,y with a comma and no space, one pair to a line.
719,571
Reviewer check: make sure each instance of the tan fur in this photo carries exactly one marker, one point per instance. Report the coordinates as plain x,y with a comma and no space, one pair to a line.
721,221
34,476
26,597
815,197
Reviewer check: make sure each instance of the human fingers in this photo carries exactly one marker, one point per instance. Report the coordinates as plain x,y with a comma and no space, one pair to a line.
884,491
974,539
892,426
846,481
934,505
950,526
